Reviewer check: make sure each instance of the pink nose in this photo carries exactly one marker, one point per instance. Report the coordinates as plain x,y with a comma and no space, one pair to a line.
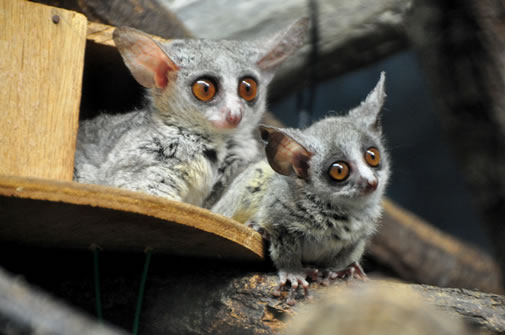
371,186
233,118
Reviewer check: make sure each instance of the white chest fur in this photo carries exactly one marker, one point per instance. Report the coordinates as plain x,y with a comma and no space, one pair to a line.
203,175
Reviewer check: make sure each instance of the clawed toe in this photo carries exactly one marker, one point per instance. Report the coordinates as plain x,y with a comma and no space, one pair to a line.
323,278
354,271
295,279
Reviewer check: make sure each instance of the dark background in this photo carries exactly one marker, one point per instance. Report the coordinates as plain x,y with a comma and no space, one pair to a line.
426,180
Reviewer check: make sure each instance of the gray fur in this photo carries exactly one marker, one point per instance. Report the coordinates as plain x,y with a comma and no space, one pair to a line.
316,221
171,148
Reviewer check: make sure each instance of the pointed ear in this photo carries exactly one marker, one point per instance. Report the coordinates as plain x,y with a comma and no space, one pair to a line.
148,63
284,154
369,112
278,48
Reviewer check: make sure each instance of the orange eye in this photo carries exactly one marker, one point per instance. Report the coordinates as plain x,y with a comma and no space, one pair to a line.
247,89
339,171
204,89
372,157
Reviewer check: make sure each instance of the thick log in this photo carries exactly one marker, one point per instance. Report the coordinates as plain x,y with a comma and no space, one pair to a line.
461,46
485,310
190,296
381,308
246,302
24,310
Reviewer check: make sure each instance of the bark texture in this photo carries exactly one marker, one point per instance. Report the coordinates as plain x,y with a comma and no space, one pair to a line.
379,308
190,296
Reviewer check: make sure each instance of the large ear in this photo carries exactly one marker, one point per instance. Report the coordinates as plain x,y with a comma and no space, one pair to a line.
284,154
369,112
145,59
278,48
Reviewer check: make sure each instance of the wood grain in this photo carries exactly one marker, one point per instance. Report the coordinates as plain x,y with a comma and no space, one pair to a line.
74,215
40,88
102,34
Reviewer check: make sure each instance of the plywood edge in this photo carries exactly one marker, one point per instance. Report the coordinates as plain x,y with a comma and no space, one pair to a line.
102,34
133,202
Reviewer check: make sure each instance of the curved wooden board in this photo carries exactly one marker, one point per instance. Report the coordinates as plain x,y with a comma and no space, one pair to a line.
74,215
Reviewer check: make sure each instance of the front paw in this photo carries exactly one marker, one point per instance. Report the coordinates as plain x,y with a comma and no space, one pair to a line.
295,278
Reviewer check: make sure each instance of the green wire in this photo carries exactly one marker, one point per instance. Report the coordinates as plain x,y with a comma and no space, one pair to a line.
141,292
98,298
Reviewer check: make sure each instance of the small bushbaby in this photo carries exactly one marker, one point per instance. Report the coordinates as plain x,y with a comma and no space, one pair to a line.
204,101
323,204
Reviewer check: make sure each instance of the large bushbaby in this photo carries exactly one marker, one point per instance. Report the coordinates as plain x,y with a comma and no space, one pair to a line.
204,100
322,204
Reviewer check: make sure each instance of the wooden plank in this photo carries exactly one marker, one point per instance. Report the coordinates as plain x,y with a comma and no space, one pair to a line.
74,215
40,88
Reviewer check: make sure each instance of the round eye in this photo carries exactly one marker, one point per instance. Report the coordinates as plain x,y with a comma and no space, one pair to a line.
372,157
247,89
339,171
204,89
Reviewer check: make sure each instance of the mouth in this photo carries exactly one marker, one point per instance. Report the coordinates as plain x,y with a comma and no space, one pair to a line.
223,124
356,195
369,187
230,121
367,191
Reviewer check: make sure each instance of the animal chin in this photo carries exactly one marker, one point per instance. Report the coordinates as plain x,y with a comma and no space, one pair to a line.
367,191
368,188
351,198
223,124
